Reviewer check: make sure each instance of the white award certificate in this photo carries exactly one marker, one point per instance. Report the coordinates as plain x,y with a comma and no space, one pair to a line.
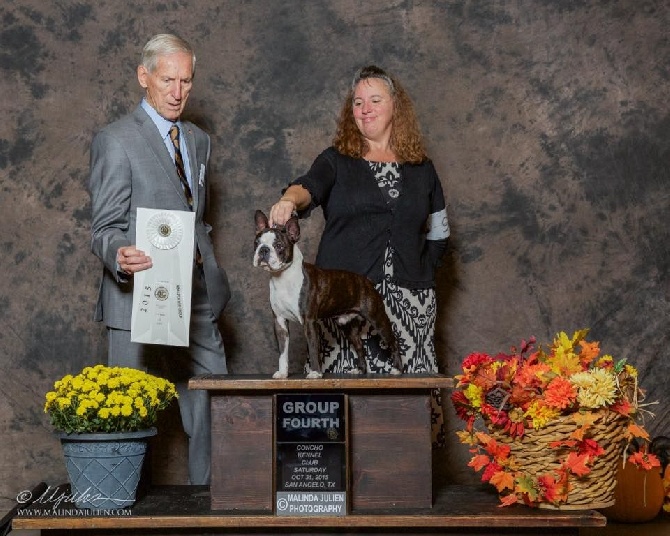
162,294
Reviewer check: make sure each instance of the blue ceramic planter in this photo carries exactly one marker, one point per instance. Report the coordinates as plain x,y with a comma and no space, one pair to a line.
104,469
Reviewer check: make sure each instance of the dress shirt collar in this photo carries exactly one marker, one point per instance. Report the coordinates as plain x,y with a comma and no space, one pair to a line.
161,123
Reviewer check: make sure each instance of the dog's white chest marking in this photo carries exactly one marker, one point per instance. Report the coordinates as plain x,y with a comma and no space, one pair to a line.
285,290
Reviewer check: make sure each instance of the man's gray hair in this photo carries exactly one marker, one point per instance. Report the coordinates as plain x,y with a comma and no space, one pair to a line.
161,45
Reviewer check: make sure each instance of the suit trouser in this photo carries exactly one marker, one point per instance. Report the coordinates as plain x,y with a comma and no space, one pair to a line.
204,355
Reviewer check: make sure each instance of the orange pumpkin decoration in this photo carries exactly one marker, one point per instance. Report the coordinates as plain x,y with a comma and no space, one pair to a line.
638,494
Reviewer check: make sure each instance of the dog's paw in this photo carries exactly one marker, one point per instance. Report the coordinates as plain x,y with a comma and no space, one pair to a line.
279,375
355,371
314,375
395,371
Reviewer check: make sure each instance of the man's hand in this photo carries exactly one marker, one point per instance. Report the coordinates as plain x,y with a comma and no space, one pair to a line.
132,260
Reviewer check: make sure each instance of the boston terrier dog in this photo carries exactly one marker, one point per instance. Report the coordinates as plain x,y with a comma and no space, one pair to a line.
301,292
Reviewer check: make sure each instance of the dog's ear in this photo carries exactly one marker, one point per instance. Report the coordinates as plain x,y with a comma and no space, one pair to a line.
261,221
293,229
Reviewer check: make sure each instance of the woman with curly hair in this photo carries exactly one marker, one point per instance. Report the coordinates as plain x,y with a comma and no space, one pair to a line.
385,217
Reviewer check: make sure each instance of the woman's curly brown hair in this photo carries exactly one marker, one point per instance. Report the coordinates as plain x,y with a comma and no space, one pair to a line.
406,140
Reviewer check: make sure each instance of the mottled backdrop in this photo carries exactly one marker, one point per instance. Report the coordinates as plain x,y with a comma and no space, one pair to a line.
548,122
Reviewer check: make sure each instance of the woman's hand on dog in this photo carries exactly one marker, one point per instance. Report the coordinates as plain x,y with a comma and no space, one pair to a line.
295,198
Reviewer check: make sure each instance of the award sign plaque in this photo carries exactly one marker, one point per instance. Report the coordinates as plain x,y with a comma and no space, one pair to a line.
162,294
311,455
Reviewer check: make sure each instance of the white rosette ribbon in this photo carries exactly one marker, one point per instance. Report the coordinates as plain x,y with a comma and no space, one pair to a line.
162,294
165,230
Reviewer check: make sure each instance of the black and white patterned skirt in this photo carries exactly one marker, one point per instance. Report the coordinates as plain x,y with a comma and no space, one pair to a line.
412,313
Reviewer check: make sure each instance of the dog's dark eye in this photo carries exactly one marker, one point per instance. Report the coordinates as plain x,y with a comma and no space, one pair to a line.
279,247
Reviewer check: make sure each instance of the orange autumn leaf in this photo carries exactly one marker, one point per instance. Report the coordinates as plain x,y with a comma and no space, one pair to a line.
576,464
589,351
497,450
565,443
502,480
500,452
478,462
623,407
591,448
550,489
483,438
644,460
508,500
578,433
635,430
466,437
486,379
584,421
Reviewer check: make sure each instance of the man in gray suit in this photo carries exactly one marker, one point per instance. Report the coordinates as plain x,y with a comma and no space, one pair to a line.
133,165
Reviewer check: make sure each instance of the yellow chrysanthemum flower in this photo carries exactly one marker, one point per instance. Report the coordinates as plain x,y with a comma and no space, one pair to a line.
113,382
117,397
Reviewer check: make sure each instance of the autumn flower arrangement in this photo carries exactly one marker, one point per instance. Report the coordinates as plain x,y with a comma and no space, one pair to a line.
532,390
107,399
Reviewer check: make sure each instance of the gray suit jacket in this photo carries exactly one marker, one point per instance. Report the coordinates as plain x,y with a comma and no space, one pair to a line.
130,168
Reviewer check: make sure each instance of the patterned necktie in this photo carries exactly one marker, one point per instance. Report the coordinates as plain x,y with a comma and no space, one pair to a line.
179,164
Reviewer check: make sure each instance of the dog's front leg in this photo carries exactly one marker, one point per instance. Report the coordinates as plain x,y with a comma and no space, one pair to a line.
313,349
282,335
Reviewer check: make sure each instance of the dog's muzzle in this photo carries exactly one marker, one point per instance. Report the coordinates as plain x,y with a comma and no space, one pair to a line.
263,255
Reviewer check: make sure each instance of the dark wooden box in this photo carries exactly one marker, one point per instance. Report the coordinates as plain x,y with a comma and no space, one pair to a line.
390,451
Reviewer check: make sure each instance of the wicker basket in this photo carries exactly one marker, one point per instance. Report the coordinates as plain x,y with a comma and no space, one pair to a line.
534,456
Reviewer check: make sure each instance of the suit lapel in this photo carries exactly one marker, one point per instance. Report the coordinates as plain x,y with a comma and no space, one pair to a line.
157,145
189,137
